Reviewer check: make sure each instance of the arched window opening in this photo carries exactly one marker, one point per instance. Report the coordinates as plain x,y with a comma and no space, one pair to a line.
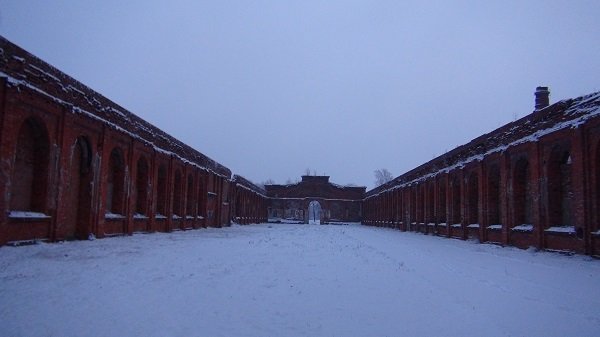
141,183
177,189
430,203
493,196
30,173
421,204
115,194
558,170
161,191
202,199
314,212
400,207
522,202
442,202
474,198
413,205
79,194
191,200
456,201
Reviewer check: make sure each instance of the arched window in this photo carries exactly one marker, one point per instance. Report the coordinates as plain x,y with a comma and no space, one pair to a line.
558,170
78,194
161,190
190,194
493,195
400,206
141,186
473,198
456,201
30,173
430,203
521,193
177,189
421,203
413,204
442,201
115,194
201,198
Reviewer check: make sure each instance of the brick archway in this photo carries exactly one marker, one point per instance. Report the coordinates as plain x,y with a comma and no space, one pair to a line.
77,221
314,212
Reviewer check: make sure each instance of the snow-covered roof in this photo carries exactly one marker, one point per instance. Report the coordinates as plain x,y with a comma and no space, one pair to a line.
247,184
24,70
570,113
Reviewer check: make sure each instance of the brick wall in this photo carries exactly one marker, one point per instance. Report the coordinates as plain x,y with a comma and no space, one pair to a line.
534,182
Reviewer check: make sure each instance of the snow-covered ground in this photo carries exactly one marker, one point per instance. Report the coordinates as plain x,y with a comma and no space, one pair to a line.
294,280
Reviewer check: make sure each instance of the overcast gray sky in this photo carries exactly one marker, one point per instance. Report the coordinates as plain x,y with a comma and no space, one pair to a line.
270,88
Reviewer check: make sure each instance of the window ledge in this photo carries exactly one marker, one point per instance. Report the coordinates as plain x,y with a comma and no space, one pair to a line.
114,216
561,230
28,215
526,228
473,225
495,227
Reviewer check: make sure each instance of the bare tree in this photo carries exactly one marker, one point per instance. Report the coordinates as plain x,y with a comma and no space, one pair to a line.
382,176
267,182
309,172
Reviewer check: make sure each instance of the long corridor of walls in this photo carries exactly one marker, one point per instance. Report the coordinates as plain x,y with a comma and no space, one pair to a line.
531,183
76,165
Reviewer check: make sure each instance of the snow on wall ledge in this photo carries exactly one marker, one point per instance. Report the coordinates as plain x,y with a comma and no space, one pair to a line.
25,70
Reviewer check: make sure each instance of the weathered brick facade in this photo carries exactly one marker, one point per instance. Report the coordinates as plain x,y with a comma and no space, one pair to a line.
337,203
249,202
531,183
76,164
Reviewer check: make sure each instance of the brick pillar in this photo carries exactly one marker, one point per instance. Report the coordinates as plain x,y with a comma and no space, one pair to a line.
581,190
535,164
506,211
483,202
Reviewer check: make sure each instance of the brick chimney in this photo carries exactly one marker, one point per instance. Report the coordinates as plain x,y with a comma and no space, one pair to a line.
542,97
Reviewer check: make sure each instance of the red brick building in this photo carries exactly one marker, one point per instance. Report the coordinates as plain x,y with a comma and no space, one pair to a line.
534,182
250,202
315,198
76,164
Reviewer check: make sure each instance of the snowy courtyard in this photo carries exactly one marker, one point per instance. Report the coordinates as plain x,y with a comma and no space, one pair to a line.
294,280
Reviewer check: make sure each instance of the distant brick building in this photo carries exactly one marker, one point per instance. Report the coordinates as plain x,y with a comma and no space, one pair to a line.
315,198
